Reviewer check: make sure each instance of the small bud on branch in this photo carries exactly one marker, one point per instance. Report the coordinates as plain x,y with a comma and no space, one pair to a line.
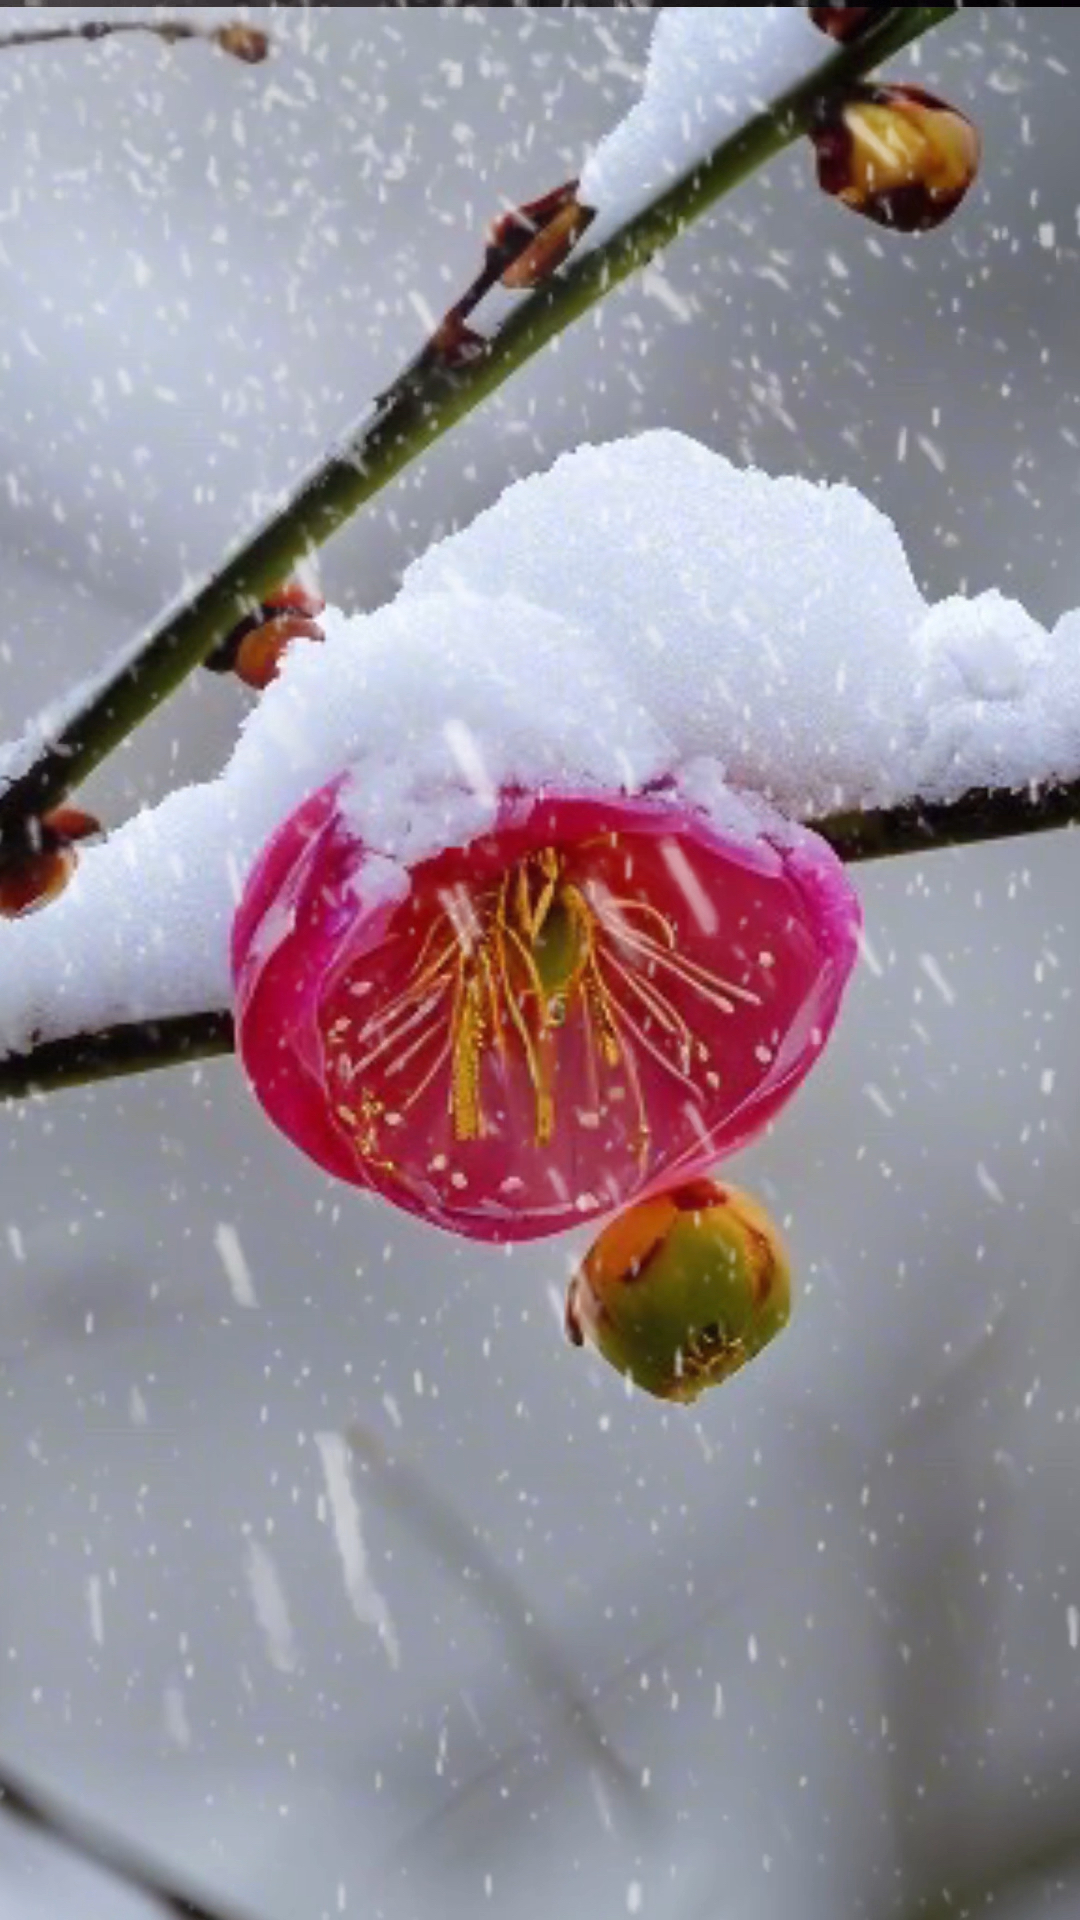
897,155
36,865
257,644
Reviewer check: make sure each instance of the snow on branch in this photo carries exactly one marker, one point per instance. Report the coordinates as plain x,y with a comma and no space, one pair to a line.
752,639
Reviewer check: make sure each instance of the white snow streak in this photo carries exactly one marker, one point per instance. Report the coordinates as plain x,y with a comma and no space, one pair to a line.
237,1271
364,1597
271,1608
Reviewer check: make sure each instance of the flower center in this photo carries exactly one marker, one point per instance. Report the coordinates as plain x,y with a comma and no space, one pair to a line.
502,972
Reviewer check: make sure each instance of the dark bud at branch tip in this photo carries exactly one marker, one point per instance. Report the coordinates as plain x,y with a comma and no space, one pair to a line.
897,155
243,43
846,23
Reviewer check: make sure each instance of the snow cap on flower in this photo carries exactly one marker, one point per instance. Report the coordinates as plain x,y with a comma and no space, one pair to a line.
595,995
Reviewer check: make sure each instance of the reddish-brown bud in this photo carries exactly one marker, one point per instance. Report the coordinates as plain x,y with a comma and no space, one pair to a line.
287,613
26,885
243,43
511,231
295,596
897,155
846,23
65,824
547,249
37,864
529,242
260,653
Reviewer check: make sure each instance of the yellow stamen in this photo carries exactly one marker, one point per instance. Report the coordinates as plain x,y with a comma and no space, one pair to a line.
511,965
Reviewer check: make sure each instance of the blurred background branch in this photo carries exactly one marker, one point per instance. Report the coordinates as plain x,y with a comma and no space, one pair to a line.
36,1810
242,42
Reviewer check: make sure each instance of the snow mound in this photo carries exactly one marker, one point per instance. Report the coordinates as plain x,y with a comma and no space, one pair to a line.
644,609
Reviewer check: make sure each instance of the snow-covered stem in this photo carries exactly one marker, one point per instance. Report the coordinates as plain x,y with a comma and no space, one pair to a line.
243,42
134,1047
921,826
980,816
427,399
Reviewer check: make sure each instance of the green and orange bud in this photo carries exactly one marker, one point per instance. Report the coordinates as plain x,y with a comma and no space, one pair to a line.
846,23
44,863
682,1290
897,155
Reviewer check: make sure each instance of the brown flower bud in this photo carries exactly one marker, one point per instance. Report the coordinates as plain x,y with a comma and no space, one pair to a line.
41,865
29,884
509,232
64,824
846,23
260,652
294,598
548,248
897,155
248,44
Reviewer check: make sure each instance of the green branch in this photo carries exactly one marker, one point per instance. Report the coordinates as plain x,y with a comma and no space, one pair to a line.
427,399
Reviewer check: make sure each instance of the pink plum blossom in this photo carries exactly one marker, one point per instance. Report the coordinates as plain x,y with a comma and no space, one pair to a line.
599,997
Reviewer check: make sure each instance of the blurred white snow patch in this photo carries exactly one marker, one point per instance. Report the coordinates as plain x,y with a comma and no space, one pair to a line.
234,1261
710,69
271,1608
364,1597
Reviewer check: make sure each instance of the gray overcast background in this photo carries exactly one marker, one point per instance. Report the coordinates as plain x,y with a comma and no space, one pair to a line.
827,1622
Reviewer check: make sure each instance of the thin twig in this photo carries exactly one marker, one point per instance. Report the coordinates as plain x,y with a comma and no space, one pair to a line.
984,814
78,1835
245,43
981,816
134,1046
428,398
